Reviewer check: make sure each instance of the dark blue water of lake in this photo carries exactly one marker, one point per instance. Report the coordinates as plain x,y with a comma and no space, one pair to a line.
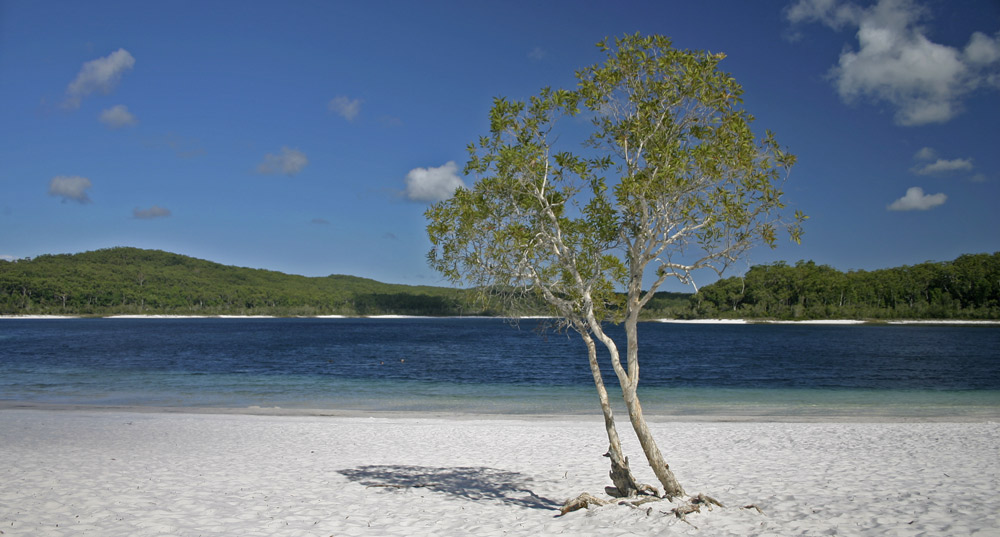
489,366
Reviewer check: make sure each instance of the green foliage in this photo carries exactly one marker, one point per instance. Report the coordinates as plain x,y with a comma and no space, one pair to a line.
670,174
134,281
966,288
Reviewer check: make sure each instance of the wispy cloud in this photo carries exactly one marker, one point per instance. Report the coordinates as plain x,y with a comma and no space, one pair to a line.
942,166
933,165
289,162
153,212
117,117
537,54
897,63
433,184
916,200
345,107
70,188
102,75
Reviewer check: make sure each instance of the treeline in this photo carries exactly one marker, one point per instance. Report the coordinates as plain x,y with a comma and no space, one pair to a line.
966,288
136,281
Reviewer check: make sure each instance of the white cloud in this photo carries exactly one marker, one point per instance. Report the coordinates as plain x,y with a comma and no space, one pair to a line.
70,188
896,63
6,257
832,13
117,117
916,200
101,75
345,107
153,212
289,162
941,166
433,184
925,153
982,49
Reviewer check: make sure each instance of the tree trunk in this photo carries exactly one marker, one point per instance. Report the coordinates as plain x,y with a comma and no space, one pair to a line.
628,380
671,488
620,474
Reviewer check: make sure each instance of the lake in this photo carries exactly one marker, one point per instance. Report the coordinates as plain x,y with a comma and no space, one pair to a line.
487,366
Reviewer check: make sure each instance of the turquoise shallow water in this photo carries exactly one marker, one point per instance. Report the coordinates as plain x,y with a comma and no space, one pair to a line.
485,366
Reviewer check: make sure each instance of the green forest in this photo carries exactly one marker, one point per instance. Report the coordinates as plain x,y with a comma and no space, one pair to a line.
966,288
134,281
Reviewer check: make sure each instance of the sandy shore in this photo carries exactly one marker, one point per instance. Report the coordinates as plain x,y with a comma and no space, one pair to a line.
111,473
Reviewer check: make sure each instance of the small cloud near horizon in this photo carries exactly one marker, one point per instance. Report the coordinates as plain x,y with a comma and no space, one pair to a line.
153,212
345,107
70,188
102,75
916,200
117,117
433,184
289,162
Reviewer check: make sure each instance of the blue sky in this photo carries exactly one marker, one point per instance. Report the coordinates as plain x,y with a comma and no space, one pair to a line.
309,137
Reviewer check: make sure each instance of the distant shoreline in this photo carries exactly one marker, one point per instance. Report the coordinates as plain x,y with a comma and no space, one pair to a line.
841,322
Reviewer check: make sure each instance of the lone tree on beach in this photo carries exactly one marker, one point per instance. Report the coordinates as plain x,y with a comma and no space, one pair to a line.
669,179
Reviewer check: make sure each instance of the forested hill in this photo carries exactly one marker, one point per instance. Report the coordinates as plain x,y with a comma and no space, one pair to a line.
136,281
966,288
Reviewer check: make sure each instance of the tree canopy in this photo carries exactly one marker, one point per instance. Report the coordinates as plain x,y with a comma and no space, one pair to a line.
670,174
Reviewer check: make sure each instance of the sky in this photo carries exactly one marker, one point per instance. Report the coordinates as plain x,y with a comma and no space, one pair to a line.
309,137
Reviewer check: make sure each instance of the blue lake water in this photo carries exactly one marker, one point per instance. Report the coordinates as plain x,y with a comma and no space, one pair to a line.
489,366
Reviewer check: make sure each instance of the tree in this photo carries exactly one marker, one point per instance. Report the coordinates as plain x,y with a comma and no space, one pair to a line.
670,180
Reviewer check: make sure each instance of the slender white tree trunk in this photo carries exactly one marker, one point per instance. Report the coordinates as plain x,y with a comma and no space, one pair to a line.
629,380
620,473
671,487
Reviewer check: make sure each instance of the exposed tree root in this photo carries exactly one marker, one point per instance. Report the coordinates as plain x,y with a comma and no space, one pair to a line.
581,501
693,505
621,475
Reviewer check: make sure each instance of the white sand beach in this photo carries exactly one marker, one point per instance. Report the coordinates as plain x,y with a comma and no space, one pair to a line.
117,473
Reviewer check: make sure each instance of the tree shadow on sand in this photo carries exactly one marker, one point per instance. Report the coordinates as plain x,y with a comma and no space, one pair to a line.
473,483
